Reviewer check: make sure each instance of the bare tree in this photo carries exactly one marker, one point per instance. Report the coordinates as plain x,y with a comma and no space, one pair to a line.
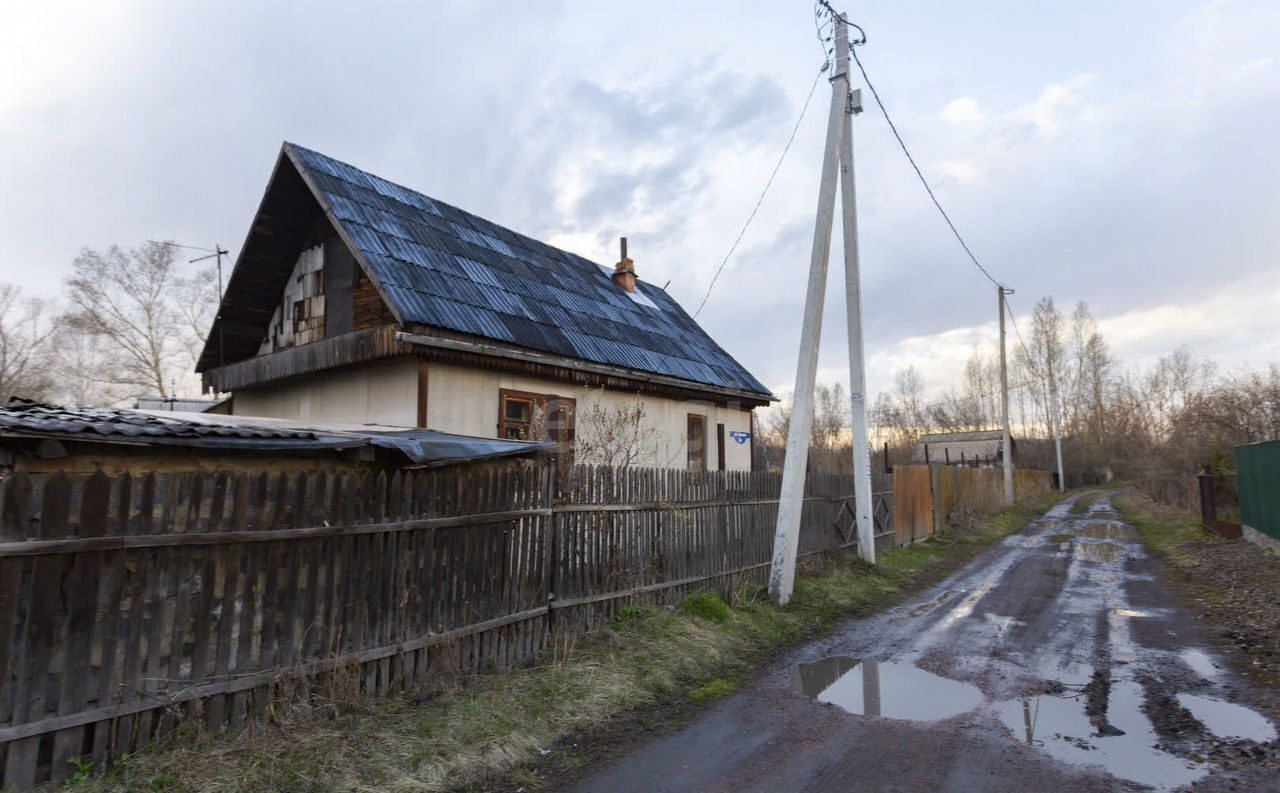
27,326
80,378
616,436
151,317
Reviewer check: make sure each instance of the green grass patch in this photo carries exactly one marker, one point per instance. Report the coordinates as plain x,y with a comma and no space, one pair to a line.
714,688
707,605
492,732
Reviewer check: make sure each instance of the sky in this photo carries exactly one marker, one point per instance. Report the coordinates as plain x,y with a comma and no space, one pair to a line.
1123,154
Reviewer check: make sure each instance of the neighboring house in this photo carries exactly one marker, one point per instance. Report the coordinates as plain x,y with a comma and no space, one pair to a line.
357,300
983,447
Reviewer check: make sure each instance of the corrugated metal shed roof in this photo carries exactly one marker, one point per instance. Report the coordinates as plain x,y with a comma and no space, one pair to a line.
23,418
445,268
957,446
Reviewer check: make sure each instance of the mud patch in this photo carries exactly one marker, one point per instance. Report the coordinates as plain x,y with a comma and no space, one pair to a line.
894,690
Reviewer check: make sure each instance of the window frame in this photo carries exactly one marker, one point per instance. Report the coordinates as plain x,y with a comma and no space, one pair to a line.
547,404
696,461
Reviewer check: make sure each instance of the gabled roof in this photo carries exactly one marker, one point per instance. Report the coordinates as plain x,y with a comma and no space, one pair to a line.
956,446
440,267
960,437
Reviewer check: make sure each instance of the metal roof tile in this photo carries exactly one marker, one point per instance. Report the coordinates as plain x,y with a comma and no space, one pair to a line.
447,268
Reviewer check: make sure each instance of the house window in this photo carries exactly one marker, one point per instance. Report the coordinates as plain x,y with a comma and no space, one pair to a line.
696,440
526,416
517,418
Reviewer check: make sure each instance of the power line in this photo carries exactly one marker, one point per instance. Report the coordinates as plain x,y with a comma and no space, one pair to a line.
903,144
764,192
916,167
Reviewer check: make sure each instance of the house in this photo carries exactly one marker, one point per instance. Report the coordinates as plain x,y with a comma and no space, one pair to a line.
357,300
978,448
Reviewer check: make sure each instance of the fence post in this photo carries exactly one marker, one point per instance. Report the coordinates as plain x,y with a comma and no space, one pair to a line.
1208,509
550,573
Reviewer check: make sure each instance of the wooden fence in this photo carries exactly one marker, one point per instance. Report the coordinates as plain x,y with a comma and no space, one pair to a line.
929,496
132,604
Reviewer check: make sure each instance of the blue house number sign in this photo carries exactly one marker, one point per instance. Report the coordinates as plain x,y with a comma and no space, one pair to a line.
740,437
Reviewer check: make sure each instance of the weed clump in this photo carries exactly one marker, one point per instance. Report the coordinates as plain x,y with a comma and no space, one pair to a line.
712,689
626,616
707,605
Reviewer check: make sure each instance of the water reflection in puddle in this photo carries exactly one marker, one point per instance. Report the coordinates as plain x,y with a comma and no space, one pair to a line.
1107,531
1104,552
891,689
1200,662
1060,727
1226,720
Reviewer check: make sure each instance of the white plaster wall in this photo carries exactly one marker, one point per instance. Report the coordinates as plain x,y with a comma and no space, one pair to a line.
385,392
465,401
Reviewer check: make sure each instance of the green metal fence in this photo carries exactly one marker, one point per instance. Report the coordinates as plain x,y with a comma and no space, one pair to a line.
1258,467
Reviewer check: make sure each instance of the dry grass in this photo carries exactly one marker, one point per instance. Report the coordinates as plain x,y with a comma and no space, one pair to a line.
474,735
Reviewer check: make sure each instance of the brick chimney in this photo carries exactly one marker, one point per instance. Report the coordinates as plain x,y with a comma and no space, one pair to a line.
624,272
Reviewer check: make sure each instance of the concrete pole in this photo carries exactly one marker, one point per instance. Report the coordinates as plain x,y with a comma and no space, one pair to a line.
1004,403
1057,427
862,498
786,541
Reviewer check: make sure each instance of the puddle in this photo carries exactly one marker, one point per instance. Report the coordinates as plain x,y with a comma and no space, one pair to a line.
1227,720
1199,662
1134,613
1107,531
1104,552
1059,727
890,689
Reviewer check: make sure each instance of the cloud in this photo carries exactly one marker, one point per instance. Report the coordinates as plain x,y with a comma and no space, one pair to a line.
1130,176
964,110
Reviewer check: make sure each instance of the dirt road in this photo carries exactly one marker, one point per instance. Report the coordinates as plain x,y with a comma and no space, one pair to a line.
1056,661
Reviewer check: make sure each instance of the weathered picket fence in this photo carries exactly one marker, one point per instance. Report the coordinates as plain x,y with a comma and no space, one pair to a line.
927,497
133,604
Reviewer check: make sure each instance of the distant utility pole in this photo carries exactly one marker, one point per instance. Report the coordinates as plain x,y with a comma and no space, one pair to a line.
1057,425
218,253
1007,446
837,162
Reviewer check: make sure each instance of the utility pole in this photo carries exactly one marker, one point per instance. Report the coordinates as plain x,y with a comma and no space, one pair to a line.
857,368
1057,426
1007,446
791,499
218,252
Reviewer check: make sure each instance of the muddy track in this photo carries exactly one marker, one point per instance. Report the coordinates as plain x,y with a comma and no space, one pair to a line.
1057,660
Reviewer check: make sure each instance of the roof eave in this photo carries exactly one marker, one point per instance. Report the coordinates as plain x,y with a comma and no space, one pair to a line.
550,359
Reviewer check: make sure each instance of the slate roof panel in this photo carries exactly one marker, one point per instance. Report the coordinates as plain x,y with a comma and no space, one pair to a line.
446,268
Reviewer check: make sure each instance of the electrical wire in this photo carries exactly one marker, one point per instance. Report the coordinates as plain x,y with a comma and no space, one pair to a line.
763,192
858,42
923,181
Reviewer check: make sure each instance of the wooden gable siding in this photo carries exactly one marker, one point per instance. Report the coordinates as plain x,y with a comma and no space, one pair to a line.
370,311
299,316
